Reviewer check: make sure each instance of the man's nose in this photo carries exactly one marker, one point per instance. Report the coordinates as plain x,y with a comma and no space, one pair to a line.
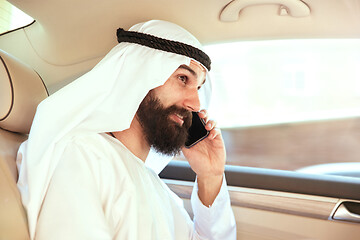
192,101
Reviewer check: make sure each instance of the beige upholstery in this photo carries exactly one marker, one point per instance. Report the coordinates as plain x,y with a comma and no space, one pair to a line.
21,90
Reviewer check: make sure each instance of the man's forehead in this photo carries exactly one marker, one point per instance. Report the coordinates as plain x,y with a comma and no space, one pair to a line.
197,65
201,71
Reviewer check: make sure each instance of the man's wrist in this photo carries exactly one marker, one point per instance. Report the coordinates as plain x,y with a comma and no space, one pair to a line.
208,188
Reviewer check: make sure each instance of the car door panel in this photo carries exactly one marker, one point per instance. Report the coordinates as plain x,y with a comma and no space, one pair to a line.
271,205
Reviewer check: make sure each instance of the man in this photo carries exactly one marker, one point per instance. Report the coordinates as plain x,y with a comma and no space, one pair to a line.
82,173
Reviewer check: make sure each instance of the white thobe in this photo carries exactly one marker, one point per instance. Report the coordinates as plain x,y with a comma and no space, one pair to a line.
101,191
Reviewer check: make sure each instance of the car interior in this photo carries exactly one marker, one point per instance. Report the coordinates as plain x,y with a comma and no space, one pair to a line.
65,39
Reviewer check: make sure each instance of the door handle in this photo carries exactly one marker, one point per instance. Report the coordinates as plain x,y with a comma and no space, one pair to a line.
348,211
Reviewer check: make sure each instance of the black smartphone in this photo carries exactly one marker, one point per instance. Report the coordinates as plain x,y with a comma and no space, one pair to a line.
197,131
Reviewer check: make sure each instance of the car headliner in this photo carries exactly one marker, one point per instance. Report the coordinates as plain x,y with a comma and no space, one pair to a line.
69,37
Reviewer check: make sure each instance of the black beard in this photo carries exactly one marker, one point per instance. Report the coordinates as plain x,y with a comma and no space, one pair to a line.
163,134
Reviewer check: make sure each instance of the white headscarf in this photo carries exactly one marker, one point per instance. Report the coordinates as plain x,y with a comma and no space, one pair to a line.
103,100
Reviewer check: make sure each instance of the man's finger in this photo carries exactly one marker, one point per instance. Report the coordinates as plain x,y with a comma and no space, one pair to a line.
214,133
211,124
203,114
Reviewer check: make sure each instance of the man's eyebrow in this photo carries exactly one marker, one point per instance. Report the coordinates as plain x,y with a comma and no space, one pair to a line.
189,69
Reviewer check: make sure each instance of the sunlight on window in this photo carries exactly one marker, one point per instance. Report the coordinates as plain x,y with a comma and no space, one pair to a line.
11,17
280,81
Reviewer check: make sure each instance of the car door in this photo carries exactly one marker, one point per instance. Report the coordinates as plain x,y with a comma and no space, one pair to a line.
277,204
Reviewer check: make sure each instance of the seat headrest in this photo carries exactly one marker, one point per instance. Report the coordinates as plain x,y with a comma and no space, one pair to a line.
21,90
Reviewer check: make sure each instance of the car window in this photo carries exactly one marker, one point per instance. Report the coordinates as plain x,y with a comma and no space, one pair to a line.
11,17
287,104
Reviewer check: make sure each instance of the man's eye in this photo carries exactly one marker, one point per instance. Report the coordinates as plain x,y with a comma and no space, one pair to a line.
184,79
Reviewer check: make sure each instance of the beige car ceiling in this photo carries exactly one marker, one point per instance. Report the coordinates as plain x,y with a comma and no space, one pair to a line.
70,36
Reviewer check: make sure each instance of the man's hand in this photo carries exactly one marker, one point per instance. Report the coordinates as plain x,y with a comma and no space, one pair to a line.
207,160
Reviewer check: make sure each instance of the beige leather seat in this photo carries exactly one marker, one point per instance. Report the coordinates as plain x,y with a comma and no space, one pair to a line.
21,90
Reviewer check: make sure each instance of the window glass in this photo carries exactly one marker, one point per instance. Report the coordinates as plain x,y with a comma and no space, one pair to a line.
288,104
11,17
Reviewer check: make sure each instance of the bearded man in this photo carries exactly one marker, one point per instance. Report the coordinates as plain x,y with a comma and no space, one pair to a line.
82,172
